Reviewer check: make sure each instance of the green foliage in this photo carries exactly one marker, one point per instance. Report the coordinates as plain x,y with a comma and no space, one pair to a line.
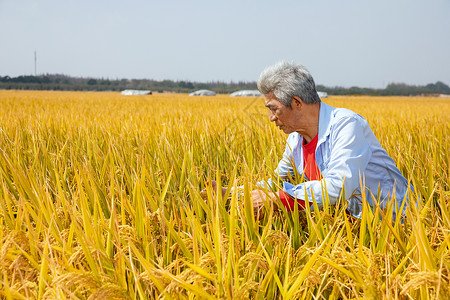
67,83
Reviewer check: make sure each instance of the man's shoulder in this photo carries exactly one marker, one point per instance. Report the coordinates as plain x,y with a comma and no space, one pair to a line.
333,118
338,114
331,114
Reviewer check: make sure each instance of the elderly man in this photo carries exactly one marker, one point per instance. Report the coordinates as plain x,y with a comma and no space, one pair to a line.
333,148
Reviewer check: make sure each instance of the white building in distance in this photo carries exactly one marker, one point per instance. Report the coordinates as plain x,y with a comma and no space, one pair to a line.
246,93
136,92
203,93
322,94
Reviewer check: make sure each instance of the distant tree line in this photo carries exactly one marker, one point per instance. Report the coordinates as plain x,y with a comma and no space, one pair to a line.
67,83
392,89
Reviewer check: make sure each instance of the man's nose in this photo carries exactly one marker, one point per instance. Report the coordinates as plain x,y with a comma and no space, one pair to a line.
272,117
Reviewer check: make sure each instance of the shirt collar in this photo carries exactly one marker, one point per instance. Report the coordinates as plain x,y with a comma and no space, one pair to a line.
324,121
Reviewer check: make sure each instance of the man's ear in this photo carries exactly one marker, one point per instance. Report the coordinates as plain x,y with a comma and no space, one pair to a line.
296,102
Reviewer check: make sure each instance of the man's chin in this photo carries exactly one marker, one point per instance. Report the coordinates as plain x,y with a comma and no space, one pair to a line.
286,131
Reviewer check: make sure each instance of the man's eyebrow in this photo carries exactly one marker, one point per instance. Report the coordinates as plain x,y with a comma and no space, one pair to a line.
269,105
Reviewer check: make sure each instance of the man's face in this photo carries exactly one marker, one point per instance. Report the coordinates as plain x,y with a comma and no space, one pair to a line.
283,116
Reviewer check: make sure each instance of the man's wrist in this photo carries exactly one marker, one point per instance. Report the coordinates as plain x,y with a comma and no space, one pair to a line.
287,201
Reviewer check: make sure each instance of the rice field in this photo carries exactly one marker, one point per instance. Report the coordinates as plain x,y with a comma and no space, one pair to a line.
100,199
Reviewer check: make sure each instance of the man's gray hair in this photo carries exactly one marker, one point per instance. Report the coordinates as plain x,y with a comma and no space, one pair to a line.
286,80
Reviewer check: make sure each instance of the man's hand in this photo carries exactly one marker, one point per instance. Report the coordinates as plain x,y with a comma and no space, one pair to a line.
260,199
213,185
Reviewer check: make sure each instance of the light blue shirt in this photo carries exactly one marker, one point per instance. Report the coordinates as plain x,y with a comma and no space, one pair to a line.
347,154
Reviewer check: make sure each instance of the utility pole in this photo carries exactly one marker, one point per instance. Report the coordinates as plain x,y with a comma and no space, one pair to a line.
35,63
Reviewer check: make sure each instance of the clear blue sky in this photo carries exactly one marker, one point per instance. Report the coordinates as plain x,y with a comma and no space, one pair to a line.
343,43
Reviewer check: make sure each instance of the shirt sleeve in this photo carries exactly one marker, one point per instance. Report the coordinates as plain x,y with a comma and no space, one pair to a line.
350,153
